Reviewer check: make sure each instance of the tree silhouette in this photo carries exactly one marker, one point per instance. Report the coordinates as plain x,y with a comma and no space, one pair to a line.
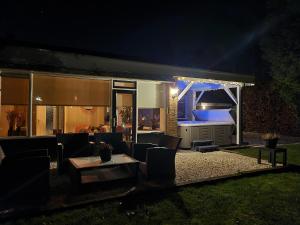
281,49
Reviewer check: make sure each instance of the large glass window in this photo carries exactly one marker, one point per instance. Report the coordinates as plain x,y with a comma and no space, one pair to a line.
151,106
14,106
68,104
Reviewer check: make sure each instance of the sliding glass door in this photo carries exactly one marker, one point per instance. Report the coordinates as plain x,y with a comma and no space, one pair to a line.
124,113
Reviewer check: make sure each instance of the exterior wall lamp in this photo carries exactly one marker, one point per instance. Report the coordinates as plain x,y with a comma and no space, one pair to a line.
174,92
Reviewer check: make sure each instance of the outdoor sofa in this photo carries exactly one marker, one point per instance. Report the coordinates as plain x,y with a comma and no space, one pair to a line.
71,145
25,170
25,176
15,145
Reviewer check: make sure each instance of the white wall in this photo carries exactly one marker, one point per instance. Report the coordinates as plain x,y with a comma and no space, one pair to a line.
150,95
153,95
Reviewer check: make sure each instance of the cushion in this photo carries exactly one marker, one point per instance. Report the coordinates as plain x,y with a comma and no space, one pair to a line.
2,155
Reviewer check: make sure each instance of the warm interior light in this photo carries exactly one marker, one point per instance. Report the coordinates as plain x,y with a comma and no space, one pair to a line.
174,91
88,107
38,99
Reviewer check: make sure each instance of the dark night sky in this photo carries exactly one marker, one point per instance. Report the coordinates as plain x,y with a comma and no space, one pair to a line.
211,34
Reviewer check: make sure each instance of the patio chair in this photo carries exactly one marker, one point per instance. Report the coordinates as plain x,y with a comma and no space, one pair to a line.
170,142
115,140
25,176
159,164
140,150
161,140
72,145
16,145
153,137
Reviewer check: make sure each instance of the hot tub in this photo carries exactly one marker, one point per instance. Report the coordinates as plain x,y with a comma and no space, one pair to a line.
214,124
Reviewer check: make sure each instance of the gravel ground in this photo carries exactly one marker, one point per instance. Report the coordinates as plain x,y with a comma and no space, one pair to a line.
192,166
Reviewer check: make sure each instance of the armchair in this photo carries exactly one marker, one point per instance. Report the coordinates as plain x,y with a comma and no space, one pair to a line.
153,137
170,142
163,140
140,150
72,145
159,164
17,145
115,140
25,176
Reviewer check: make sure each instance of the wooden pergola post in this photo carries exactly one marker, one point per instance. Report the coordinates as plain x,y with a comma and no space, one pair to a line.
239,131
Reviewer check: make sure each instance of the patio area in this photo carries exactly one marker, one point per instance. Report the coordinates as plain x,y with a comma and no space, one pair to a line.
194,166
191,167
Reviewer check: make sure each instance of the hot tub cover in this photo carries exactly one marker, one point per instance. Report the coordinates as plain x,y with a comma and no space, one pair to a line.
216,115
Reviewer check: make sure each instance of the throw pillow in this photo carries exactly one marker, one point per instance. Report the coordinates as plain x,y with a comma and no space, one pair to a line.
2,155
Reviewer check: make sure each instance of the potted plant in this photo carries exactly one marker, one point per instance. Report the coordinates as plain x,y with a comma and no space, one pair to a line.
20,122
105,151
11,117
270,139
125,114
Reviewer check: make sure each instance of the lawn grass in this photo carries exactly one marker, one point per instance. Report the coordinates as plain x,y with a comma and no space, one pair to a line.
293,153
264,199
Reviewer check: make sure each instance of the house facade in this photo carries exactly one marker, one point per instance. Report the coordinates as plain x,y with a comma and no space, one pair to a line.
44,92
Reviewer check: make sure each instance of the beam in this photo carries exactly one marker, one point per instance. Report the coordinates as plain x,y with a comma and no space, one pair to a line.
193,104
194,100
30,105
239,134
230,94
185,90
198,99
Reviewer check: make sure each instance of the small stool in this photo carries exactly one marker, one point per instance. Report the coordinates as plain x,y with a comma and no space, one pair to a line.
272,155
207,148
196,143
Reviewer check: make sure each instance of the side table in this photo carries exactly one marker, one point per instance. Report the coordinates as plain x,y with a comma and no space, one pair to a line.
272,155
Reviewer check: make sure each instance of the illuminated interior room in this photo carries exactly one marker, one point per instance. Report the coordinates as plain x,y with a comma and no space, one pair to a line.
151,107
70,105
14,106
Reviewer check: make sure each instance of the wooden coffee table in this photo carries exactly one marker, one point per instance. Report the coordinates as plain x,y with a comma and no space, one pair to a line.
85,170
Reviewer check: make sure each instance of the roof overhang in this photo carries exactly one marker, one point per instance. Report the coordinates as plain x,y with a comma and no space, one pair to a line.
61,62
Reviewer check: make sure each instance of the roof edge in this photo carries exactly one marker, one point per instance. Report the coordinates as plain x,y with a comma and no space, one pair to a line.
58,61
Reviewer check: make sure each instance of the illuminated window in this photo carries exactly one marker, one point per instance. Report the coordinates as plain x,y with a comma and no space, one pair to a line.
151,107
68,104
14,106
